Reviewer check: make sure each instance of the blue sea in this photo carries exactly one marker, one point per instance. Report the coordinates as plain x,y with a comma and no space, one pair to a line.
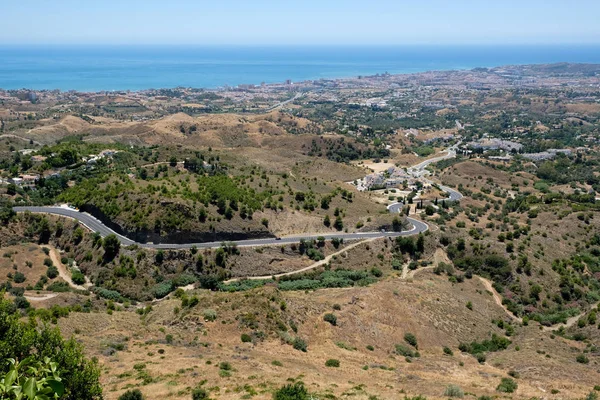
98,68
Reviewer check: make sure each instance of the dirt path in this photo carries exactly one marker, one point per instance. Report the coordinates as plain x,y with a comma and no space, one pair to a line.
63,272
498,298
411,274
40,297
570,321
310,267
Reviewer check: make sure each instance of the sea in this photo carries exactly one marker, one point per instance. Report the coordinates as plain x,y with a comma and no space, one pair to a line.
106,68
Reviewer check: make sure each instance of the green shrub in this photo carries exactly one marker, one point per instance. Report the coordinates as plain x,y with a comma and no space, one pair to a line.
297,391
497,343
108,294
405,351
209,315
582,359
410,339
225,366
162,289
300,344
507,385
199,394
52,272
331,318
134,394
21,302
19,277
246,338
332,363
448,351
78,278
454,391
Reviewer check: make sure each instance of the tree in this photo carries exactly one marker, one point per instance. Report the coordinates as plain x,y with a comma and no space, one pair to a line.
25,339
327,221
111,246
19,277
159,257
338,224
78,235
173,161
143,174
420,243
396,225
44,230
11,189
78,277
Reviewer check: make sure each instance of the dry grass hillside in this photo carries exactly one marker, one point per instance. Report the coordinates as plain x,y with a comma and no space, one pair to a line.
167,352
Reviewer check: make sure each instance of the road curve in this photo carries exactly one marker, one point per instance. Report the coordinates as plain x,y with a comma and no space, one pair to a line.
95,225
453,195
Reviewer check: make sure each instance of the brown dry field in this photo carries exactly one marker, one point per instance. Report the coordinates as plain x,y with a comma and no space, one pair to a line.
428,306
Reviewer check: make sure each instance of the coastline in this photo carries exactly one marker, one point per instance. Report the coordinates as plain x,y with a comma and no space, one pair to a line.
96,69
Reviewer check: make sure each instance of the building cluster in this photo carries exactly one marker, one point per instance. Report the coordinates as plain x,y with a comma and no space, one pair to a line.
94,158
546,155
391,177
495,144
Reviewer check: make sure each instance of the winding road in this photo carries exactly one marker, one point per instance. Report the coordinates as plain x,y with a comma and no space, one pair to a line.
95,225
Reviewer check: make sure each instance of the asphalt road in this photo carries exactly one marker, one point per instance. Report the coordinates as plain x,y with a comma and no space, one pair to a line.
453,195
96,225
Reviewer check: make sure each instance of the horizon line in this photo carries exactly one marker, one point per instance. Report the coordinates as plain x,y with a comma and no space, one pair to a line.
412,44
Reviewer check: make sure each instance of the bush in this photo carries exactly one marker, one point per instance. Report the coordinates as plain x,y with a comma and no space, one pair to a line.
448,351
411,339
52,272
297,391
454,391
405,351
134,394
331,318
582,359
19,277
246,338
300,344
21,302
78,278
209,315
332,363
199,394
507,385
162,289
111,246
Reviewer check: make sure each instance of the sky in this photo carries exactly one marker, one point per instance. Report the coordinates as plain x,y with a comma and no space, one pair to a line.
300,22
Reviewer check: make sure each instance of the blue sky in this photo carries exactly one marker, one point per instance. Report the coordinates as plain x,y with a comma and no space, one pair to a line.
261,22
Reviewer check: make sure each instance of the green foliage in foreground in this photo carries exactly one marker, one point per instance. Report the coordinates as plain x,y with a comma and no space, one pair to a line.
27,340
31,379
310,281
